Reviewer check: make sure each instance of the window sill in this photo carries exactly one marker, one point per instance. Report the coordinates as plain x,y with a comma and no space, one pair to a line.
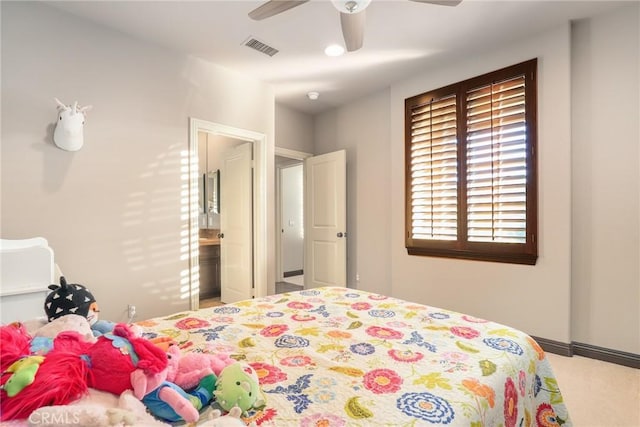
510,258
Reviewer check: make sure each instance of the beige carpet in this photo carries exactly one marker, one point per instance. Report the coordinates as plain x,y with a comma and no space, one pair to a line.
598,394
210,302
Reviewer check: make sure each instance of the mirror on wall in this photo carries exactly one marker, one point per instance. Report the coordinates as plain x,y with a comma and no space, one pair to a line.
211,192
212,149
209,188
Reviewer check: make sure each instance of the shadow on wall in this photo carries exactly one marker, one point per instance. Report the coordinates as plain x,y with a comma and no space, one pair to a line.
55,162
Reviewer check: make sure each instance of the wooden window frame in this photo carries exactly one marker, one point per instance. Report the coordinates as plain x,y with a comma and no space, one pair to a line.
461,248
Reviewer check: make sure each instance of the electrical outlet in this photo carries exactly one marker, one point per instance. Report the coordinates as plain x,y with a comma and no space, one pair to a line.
131,310
357,277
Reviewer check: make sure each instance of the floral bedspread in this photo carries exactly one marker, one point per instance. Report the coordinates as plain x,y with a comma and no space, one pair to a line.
344,357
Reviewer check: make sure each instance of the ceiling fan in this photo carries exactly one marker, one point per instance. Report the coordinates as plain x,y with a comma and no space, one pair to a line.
352,15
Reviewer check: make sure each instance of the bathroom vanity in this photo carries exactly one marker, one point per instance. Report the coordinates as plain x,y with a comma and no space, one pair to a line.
209,264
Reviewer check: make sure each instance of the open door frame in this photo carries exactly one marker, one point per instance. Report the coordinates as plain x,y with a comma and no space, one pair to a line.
289,154
260,245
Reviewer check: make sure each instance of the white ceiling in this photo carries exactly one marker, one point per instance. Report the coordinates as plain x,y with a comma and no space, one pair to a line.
401,38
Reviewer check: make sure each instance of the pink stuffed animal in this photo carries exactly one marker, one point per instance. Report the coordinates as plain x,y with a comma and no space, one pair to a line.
186,370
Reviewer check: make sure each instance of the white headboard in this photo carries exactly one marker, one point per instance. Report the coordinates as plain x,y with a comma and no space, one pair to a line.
27,268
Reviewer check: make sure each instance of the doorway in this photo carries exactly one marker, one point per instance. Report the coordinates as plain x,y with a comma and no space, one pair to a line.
289,180
258,285
225,203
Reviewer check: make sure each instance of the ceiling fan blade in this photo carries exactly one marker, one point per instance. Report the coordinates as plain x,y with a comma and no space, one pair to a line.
273,7
441,2
352,29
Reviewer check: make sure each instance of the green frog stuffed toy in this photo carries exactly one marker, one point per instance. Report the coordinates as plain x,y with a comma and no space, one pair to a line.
238,386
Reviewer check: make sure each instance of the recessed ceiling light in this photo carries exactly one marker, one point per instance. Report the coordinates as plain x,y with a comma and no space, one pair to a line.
313,95
334,50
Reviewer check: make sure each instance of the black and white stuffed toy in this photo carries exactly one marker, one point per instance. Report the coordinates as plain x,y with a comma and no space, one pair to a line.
69,299
75,299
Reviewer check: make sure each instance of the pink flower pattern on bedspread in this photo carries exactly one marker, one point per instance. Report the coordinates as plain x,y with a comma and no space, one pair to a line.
344,357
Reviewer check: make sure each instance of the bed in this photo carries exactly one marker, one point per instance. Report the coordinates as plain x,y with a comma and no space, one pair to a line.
344,357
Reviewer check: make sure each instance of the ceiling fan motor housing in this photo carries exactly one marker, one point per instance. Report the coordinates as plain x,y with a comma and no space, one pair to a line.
350,6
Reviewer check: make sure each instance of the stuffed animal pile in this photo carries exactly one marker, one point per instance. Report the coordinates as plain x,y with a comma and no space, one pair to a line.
62,371
76,353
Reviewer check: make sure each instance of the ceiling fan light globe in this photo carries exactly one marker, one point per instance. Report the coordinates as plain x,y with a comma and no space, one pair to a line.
350,6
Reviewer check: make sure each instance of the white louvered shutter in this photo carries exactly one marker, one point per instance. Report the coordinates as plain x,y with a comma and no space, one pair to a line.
434,171
496,158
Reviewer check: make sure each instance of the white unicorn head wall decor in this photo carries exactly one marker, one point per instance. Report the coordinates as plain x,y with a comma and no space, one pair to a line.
68,134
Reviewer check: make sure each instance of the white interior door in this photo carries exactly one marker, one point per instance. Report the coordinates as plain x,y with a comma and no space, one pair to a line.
236,225
325,261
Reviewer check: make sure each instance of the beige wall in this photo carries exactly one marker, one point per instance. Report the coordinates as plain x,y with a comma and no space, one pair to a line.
578,290
294,130
532,298
606,185
112,211
362,128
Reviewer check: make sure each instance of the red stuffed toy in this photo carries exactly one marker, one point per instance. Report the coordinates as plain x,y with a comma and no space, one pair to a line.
111,370
30,382
15,344
70,367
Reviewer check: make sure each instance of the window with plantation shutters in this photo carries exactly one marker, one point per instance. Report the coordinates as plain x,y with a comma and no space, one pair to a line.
470,168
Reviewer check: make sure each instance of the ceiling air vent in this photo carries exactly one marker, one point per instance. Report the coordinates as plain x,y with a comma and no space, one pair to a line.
260,47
